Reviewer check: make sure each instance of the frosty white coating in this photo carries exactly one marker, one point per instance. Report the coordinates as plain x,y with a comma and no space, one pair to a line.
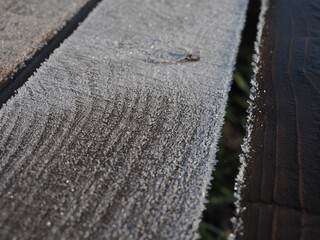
114,137
246,146
26,25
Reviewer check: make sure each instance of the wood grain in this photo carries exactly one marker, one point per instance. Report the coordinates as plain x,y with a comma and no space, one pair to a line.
25,26
281,192
114,137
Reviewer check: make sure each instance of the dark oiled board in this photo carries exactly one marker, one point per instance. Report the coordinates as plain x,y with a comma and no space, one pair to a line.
26,25
114,137
280,197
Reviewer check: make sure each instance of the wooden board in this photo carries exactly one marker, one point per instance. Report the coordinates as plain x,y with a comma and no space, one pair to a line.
25,26
114,137
280,198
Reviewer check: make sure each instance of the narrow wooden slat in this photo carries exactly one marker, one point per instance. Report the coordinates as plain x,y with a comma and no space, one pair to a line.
280,196
115,135
25,26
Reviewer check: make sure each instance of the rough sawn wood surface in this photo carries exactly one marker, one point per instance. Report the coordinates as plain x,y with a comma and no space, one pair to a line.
114,137
26,25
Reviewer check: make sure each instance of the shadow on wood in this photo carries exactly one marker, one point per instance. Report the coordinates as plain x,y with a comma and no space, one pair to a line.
280,198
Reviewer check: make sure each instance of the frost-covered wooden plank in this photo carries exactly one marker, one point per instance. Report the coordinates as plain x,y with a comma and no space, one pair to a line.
115,135
280,192
25,26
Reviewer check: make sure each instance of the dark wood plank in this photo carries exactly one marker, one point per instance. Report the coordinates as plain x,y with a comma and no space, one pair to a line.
25,26
280,196
115,135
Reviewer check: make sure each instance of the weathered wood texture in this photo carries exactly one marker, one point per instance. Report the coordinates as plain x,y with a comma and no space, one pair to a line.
281,192
115,135
26,25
